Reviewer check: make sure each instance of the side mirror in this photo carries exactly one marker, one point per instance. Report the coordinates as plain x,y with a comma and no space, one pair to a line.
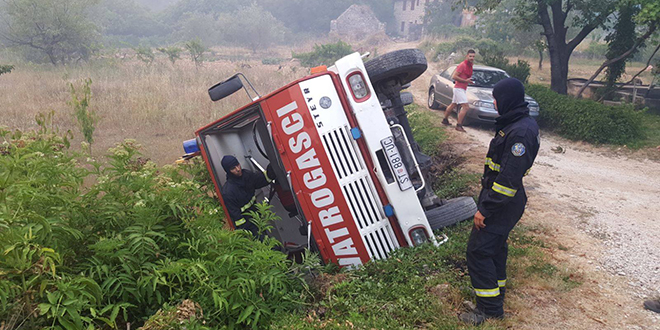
225,88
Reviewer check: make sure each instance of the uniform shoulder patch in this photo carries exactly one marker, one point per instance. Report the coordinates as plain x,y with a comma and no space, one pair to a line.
518,149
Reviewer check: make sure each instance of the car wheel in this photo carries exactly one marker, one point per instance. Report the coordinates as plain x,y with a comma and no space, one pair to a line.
432,103
403,65
452,212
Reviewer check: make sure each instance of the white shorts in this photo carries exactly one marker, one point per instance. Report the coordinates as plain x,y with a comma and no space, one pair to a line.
460,96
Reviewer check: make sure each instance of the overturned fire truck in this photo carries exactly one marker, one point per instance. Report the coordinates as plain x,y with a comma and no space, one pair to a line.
351,183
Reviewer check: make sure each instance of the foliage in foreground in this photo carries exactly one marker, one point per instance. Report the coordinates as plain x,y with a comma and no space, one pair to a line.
130,240
587,120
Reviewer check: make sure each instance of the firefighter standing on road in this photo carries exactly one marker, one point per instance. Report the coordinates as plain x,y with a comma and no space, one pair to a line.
238,192
502,199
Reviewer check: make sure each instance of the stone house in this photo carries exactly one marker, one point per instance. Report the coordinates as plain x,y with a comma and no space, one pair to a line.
409,17
356,23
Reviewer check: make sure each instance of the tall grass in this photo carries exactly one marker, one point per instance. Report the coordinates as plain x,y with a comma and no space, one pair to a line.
159,105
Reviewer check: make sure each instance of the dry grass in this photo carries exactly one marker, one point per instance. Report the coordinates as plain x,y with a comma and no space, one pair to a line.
159,105
163,104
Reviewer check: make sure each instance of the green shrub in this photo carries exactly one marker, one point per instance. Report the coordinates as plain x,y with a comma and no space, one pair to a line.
494,58
324,54
587,120
86,117
88,245
145,54
196,50
173,53
271,61
519,70
596,50
6,69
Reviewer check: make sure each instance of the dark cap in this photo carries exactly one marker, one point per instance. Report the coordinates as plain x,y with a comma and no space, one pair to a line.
509,94
228,162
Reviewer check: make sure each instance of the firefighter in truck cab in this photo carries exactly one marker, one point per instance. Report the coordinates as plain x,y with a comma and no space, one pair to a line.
238,193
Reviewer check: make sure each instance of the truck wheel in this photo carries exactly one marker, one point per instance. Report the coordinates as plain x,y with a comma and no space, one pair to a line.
404,65
406,98
454,211
432,103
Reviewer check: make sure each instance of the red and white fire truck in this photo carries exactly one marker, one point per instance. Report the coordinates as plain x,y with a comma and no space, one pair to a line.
350,178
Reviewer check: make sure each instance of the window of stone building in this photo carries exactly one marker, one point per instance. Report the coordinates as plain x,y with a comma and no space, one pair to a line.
403,26
412,5
404,5
418,3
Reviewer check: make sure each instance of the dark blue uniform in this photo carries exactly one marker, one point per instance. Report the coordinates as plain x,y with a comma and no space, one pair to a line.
238,194
502,199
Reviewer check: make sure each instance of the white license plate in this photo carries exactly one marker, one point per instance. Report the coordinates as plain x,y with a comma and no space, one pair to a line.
396,163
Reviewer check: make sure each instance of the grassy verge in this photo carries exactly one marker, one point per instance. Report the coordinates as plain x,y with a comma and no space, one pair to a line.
425,287
449,181
651,128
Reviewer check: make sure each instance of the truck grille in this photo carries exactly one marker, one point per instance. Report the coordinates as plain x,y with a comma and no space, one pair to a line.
359,192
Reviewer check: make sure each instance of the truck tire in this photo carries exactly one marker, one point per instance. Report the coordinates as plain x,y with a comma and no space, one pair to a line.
452,212
406,99
405,65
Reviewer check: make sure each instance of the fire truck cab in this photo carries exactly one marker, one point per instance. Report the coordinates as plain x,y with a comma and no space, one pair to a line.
348,180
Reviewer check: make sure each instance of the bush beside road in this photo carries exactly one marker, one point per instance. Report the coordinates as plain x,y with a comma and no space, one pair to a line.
587,120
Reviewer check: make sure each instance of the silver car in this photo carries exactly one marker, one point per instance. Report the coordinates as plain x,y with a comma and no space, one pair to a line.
479,94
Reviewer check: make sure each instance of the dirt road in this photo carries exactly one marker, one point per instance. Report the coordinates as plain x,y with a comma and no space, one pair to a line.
599,212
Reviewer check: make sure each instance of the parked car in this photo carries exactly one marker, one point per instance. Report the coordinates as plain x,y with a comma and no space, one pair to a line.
479,94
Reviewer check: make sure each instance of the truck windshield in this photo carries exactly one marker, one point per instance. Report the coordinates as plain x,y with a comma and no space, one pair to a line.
487,78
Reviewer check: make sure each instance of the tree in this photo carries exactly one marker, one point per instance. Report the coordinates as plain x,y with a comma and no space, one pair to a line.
253,27
540,47
59,29
441,17
126,19
196,50
647,16
172,52
619,41
145,54
555,17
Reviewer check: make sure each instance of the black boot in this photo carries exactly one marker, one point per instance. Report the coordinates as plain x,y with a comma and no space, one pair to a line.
477,317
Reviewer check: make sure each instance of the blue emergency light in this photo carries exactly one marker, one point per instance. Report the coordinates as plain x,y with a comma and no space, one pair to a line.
190,146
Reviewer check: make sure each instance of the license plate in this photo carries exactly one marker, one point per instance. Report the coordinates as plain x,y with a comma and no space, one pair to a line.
396,163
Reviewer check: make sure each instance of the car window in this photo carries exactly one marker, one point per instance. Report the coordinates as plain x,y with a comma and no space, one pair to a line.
487,78
447,73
